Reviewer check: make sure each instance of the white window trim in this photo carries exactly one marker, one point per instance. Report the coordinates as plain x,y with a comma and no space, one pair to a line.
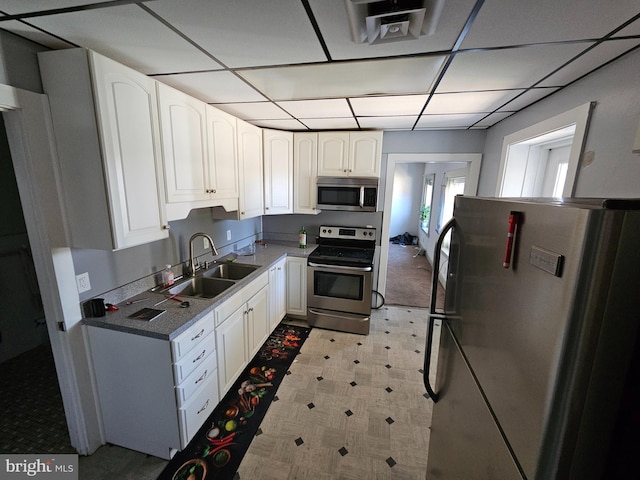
579,116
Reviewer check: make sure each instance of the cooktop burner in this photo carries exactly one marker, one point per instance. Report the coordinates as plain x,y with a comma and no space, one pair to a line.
345,246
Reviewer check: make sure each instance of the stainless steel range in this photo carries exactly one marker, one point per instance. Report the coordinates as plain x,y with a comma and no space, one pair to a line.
339,279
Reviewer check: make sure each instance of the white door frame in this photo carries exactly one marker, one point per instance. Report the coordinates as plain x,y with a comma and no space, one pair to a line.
470,188
30,138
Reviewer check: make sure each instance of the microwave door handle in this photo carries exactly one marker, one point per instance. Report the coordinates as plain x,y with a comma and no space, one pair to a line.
361,197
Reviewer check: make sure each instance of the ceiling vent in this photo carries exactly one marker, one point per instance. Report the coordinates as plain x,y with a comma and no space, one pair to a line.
384,21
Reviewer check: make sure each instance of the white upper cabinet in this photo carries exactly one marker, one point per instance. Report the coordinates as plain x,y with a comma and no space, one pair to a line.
365,154
349,154
278,171
333,154
200,153
183,124
305,172
223,159
105,120
251,187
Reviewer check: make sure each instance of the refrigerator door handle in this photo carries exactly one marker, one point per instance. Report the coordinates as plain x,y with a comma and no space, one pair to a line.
433,313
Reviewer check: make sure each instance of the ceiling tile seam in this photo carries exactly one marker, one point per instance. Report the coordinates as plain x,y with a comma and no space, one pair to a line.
316,28
182,35
185,37
461,36
597,42
74,9
35,27
353,114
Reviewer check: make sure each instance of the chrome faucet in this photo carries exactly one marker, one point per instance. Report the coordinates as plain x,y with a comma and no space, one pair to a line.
192,263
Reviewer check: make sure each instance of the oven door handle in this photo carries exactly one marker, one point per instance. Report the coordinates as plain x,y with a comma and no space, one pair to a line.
340,267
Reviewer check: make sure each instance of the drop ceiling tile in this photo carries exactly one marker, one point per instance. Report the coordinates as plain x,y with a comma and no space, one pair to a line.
527,98
14,7
469,102
255,111
243,33
35,35
589,61
545,21
631,29
492,119
448,121
330,123
329,108
348,79
332,19
213,87
388,123
289,125
506,68
128,35
388,106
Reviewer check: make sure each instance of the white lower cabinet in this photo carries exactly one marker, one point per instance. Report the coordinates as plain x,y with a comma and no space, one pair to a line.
297,286
277,293
154,394
242,325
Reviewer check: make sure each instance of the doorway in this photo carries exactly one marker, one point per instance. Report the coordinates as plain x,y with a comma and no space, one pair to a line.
32,418
472,160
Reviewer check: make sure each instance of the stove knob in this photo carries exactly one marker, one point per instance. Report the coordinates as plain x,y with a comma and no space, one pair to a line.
324,230
329,230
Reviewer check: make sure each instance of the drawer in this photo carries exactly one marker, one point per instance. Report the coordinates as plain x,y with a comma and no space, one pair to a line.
192,337
194,358
197,410
197,378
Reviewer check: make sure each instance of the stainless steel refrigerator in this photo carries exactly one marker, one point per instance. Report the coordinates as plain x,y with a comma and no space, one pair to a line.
539,327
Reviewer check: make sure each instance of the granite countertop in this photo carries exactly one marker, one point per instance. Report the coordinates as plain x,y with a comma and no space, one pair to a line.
177,319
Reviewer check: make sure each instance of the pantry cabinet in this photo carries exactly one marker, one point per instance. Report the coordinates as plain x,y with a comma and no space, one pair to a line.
305,172
142,379
297,286
105,122
349,154
278,171
250,164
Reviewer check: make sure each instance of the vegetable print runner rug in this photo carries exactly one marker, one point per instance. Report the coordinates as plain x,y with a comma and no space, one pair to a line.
215,452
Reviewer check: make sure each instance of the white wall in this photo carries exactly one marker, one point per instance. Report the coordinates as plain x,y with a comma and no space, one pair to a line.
407,197
615,171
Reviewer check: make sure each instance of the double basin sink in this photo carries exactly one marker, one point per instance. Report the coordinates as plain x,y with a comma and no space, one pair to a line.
212,282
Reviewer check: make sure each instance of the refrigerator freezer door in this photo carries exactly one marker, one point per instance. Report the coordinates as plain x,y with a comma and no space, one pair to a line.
465,442
517,326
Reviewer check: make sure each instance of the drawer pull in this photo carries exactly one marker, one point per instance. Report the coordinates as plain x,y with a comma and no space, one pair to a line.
204,407
202,377
198,335
199,357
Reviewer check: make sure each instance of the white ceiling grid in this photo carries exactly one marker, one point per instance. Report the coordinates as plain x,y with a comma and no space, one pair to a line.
292,65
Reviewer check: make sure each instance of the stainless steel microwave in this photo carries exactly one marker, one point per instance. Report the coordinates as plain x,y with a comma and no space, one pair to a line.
348,194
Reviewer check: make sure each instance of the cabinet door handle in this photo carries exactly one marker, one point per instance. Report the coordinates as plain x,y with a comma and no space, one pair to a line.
199,357
200,333
204,407
202,377
166,227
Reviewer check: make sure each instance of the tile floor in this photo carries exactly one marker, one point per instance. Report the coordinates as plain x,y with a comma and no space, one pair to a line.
353,407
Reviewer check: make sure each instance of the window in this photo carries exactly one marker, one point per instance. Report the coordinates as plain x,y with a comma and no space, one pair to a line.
453,185
427,202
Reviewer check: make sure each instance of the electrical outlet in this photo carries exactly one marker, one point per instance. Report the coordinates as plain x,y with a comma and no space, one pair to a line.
205,242
228,234
82,280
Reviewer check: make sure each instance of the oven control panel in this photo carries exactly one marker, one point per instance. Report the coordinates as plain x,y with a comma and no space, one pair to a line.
348,233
